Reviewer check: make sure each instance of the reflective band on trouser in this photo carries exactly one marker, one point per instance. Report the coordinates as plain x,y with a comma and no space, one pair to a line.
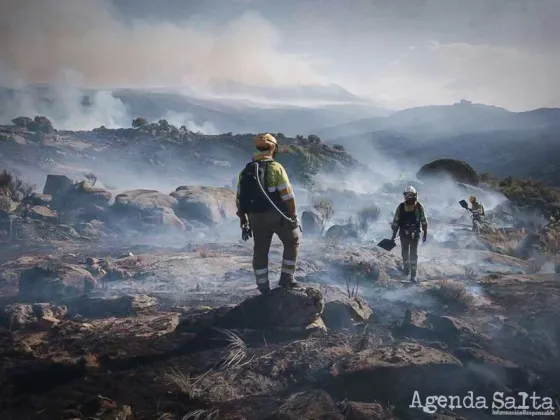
288,266
261,275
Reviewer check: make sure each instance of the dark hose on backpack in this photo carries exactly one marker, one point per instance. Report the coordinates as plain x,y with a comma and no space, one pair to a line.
270,201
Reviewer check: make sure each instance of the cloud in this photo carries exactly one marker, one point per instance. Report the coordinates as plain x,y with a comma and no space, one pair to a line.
41,38
437,73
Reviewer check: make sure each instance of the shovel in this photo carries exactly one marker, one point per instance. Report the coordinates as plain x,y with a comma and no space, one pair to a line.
464,204
387,244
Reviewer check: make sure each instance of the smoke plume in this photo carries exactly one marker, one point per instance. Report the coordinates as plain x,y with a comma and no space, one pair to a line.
41,38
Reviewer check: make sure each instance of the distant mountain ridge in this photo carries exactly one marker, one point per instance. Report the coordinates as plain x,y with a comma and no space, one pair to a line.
436,120
491,139
227,107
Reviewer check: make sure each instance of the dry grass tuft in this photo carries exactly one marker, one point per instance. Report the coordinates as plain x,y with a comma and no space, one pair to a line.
236,351
187,384
207,253
166,416
325,208
352,290
201,415
452,293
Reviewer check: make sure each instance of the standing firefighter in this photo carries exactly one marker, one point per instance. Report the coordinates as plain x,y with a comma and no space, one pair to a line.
266,206
409,218
477,211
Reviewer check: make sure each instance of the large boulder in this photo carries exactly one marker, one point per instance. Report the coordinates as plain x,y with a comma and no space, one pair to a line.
456,169
297,308
139,202
22,122
393,373
57,186
343,313
51,280
209,205
163,217
42,125
347,231
85,195
147,208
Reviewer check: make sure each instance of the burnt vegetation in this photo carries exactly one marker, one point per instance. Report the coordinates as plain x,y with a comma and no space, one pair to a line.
138,305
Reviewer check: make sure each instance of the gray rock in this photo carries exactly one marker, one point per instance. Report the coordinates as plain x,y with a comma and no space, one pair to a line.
209,205
57,186
42,213
281,307
51,281
17,316
122,306
344,313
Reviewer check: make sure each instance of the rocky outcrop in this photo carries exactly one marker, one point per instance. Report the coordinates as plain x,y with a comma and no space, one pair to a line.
57,186
456,169
347,231
165,217
42,213
122,306
19,315
209,205
16,316
147,208
299,308
345,313
142,202
41,125
393,373
313,404
50,281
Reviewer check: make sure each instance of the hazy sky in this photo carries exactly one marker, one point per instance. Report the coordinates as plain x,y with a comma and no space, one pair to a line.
399,52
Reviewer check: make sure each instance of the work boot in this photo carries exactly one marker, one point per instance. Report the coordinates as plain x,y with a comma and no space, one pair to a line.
406,270
413,276
287,281
264,288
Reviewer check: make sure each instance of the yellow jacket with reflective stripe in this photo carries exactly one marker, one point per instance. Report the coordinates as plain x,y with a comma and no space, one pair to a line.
276,180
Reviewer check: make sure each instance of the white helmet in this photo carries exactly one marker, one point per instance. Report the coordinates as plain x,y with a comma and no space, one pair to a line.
410,191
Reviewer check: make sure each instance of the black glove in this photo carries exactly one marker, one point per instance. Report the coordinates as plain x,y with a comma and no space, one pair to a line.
246,232
393,236
425,236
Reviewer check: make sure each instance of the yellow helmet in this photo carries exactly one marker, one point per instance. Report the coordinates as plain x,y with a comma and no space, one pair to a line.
472,199
266,141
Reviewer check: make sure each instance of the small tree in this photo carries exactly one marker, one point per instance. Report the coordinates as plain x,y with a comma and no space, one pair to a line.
13,187
139,122
325,209
365,217
313,139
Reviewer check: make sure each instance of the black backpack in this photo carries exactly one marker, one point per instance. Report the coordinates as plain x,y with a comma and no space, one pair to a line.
251,197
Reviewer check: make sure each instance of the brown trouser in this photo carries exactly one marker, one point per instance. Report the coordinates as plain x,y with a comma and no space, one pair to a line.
264,226
409,249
